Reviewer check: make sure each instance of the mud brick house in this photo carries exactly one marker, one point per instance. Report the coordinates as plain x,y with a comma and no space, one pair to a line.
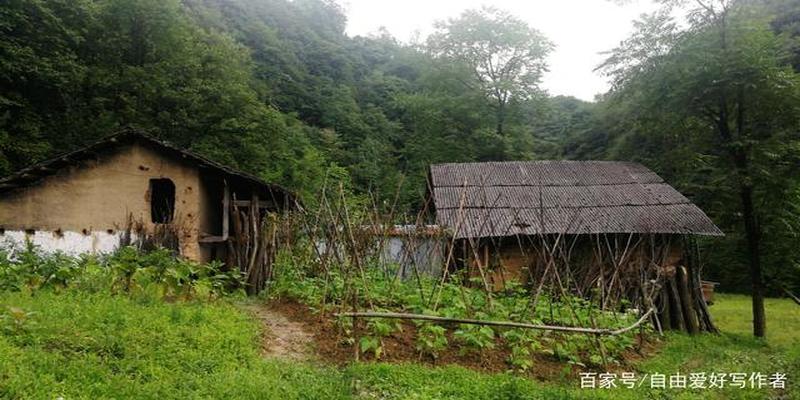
131,187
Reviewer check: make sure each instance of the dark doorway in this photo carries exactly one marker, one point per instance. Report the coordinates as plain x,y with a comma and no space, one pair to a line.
162,200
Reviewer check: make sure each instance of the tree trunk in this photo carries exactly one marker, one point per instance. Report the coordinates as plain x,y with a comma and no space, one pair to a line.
501,118
753,235
739,156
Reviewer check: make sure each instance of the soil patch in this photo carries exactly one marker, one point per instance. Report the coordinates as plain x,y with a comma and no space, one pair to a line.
282,337
331,344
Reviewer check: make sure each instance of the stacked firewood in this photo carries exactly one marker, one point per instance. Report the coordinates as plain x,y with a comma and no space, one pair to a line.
252,245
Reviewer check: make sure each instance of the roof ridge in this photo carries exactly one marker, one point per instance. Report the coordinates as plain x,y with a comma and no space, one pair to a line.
565,207
551,185
554,161
27,176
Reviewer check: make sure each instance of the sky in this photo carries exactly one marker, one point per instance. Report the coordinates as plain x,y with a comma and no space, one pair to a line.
580,29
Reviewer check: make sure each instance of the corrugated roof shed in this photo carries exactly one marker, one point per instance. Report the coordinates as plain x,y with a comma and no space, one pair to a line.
550,197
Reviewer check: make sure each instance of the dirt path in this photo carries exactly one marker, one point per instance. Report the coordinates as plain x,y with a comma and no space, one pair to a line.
282,338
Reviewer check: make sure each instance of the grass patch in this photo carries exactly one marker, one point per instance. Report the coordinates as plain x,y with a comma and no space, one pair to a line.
736,349
81,345
78,345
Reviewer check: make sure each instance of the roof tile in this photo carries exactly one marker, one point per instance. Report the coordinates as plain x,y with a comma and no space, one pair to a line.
550,197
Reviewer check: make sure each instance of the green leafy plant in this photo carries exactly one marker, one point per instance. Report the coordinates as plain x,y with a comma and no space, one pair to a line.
522,343
15,320
475,337
378,329
156,273
371,344
455,300
431,339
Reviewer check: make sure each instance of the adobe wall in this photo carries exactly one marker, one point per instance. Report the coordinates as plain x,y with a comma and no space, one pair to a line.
512,260
84,208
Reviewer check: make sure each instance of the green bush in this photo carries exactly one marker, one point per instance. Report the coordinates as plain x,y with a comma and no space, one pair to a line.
157,273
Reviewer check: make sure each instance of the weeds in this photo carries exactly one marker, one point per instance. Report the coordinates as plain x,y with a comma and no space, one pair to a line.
15,320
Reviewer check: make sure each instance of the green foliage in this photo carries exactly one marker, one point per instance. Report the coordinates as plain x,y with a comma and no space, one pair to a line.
376,330
522,343
454,300
713,109
275,88
475,337
504,55
371,344
76,344
15,321
431,339
30,269
149,274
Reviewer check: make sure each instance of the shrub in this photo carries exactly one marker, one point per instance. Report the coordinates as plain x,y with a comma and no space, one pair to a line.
157,273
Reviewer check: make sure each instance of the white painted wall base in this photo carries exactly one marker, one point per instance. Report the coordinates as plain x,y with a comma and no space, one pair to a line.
71,243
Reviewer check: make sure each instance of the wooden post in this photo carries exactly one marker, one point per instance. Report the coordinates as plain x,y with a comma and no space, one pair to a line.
356,331
693,266
665,316
509,324
689,310
226,210
675,305
253,242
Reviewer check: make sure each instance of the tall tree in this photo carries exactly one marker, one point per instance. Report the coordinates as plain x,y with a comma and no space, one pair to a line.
724,84
505,55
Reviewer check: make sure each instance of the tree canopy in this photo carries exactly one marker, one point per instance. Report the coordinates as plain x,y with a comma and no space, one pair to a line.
717,107
505,56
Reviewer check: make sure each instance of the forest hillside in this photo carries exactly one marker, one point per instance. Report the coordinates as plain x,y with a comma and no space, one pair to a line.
276,88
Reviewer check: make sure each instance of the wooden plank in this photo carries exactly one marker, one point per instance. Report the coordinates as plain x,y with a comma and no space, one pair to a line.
226,211
666,318
791,295
212,239
261,204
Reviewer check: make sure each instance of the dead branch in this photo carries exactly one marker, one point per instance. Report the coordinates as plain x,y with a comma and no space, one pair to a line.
509,324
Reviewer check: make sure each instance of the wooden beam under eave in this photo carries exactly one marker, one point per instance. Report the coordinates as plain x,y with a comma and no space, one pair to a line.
260,203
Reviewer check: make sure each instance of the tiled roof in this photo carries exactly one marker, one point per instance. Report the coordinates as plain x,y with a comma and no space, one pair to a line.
550,197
